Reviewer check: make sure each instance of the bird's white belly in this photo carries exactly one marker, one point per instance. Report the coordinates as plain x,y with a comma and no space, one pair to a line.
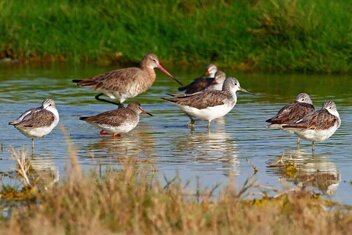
121,96
124,128
209,113
37,132
316,135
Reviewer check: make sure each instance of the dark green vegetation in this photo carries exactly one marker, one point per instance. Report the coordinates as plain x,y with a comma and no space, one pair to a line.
276,35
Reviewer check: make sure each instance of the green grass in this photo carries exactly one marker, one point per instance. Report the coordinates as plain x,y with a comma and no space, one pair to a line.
267,35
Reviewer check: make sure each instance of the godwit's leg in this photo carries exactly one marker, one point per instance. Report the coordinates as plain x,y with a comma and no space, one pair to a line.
313,146
102,132
209,124
97,97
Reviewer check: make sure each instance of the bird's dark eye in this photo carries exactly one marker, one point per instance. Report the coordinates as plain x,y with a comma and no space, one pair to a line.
235,84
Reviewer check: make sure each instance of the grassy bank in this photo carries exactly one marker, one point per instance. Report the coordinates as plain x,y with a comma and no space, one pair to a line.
133,201
276,35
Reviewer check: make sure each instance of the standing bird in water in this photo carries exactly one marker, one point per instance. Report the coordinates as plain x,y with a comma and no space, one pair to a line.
126,83
292,112
118,121
209,104
317,126
38,122
203,82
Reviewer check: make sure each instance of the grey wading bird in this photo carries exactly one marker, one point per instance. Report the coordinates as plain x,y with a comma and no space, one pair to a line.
38,122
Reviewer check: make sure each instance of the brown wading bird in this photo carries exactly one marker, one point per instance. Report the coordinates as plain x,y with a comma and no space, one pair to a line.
317,126
126,83
292,112
203,82
117,121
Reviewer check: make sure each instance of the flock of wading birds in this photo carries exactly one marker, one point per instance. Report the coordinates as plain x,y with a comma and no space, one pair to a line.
207,98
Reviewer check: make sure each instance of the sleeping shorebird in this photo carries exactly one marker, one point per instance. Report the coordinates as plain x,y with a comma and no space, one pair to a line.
216,84
126,83
317,126
209,104
38,122
203,82
292,112
117,121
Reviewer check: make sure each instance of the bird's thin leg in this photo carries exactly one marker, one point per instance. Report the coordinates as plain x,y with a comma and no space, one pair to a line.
191,123
32,145
298,140
209,124
97,97
313,146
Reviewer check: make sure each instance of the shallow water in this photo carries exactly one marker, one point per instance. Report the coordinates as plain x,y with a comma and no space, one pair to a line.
164,140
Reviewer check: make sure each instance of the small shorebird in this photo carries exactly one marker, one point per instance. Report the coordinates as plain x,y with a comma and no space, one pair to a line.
38,122
209,104
126,83
292,112
203,82
317,126
117,121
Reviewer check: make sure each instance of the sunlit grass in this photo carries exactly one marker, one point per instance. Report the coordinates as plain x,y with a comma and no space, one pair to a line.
134,201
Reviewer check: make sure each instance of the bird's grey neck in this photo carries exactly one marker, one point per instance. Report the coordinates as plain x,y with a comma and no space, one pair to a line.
230,91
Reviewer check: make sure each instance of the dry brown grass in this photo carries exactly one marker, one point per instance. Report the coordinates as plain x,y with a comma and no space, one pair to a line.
133,201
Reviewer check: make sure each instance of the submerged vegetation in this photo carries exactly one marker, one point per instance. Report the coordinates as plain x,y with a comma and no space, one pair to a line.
133,201
275,35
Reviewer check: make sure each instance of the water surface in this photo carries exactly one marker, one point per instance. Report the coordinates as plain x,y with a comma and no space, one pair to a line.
164,140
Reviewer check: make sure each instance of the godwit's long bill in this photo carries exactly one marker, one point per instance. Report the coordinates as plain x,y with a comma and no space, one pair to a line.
117,121
292,112
38,122
209,104
317,126
203,82
126,83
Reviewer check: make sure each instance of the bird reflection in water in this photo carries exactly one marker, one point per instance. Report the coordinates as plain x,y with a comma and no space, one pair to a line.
300,168
138,144
43,171
214,146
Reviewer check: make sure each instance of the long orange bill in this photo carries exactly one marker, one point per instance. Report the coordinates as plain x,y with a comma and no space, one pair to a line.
168,74
146,112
